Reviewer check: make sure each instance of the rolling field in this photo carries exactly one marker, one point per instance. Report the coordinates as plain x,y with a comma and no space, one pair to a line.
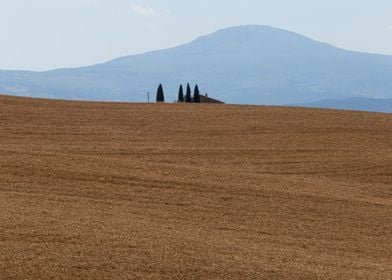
175,191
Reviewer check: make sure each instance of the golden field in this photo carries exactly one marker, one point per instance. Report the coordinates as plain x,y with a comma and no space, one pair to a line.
176,191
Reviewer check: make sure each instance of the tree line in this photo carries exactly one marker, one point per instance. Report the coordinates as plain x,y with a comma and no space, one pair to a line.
187,98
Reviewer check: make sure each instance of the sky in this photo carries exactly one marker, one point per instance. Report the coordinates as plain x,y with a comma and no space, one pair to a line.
49,34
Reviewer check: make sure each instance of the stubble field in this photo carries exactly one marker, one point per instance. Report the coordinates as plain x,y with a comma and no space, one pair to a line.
175,191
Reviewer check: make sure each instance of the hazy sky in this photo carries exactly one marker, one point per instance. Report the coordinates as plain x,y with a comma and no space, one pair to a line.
46,34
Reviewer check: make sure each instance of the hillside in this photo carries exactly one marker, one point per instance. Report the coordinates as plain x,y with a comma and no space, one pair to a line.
175,191
355,103
245,65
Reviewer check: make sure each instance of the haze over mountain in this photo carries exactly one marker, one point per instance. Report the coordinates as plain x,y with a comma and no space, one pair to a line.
245,65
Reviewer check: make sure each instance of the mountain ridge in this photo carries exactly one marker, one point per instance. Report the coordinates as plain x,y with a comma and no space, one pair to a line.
244,64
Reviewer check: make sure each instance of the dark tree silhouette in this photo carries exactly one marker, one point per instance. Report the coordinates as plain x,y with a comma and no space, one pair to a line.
181,95
160,95
196,95
188,98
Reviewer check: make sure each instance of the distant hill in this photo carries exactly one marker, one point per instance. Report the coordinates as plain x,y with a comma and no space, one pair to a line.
246,64
355,103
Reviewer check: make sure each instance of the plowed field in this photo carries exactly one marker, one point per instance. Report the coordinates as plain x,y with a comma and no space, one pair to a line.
175,191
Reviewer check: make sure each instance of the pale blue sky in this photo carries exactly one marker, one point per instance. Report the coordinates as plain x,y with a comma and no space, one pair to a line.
47,34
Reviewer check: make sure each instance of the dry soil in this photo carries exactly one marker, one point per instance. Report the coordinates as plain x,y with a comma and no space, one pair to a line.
176,191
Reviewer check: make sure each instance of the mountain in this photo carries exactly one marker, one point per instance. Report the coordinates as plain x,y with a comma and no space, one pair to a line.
246,64
355,103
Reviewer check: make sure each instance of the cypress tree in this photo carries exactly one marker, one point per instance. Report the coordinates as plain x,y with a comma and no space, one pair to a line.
181,95
188,98
160,95
196,95
158,98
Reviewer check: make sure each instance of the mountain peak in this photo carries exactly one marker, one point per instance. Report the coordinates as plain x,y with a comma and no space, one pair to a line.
251,28
254,35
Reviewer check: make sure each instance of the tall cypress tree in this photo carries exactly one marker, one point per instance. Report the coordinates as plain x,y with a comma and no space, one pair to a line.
196,95
188,98
160,95
181,94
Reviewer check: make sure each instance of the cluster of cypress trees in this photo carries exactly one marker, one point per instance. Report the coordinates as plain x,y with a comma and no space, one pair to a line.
181,98
188,96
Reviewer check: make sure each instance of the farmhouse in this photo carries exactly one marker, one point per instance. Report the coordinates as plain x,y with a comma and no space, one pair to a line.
206,99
